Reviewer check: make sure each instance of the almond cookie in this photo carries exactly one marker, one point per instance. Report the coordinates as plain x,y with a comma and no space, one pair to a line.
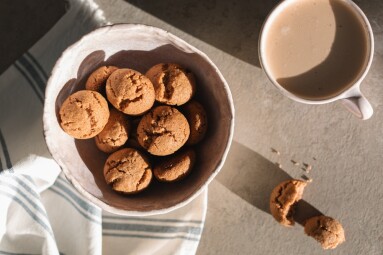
196,116
130,92
114,134
84,114
127,171
97,80
173,84
282,200
175,167
163,131
327,231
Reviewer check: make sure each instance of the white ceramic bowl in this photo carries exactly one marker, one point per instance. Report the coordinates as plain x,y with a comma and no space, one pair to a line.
137,47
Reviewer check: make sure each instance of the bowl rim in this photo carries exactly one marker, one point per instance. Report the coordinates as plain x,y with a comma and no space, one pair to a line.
89,197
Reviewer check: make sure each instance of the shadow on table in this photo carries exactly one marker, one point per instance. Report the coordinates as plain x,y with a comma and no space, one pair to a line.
253,177
23,23
230,25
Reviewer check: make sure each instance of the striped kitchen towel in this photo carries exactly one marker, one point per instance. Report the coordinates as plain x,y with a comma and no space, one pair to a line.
40,211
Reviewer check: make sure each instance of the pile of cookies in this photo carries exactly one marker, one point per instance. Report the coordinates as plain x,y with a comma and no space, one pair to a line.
138,119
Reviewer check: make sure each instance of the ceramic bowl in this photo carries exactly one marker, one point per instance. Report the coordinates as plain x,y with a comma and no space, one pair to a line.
137,47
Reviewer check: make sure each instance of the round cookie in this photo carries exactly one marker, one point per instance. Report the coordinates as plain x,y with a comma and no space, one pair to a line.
196,116
327,231
84,114
127,171
97,80
282,199
114,134
173,84
163,131
175,167
130,92
133,137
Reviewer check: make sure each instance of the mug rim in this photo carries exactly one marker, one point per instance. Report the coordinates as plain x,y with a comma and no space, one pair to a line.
353,90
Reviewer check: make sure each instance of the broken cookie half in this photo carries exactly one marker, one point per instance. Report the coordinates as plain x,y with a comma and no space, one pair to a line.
283,198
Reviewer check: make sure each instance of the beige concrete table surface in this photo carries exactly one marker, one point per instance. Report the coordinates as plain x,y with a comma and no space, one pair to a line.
348,171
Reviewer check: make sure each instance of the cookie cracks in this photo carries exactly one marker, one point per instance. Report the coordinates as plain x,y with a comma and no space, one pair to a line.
283,199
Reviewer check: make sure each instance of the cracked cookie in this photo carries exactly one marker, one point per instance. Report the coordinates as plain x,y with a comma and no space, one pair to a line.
127,171
97,80
282,200
130,92
173,84
196,116
84,114
163,131
327,231
175,167
114,134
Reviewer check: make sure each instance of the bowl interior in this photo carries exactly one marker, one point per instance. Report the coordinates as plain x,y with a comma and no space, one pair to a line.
138,47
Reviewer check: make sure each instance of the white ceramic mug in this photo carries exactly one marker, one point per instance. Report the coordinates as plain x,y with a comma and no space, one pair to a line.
351,98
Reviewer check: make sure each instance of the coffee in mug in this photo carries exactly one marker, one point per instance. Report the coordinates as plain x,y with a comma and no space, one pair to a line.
316,51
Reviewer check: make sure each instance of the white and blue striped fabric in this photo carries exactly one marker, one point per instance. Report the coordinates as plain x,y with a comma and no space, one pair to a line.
40,212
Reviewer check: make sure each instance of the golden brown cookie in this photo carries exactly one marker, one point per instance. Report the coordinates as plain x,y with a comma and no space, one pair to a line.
133,137
97,80
175,167
196,116
163,131
84,114
115,133
173,84
282,199
327,231
130,92
127,171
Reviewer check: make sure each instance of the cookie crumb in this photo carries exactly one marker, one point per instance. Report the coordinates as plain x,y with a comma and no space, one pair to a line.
307,179
278,164
307,167
295,162
275,151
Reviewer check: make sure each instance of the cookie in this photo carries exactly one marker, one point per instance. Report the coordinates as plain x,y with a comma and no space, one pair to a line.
173,84
175,167
133,138
97,80
327,231
115,133
84,114
196,116
130,92
282,199
163,131
127,171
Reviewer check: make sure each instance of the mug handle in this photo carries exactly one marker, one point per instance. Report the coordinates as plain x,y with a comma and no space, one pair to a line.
359,106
